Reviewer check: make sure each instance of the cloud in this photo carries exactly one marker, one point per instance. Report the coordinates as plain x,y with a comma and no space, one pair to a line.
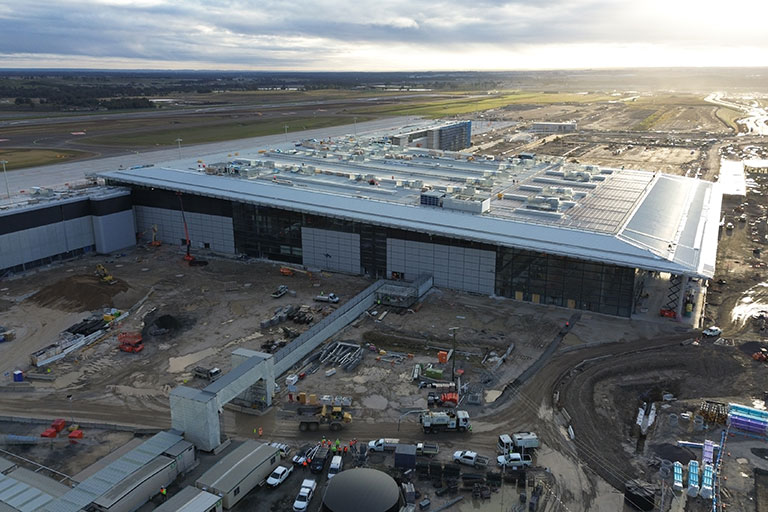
367,34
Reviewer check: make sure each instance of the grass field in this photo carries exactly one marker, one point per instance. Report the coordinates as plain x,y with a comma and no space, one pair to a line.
20,158
729,117
218,133
465,105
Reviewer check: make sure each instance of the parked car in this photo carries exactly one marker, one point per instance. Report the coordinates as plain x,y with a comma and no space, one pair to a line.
301,503
279,475
712,331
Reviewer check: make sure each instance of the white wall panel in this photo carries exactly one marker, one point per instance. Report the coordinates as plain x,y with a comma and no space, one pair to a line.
330,250
214,230
471,270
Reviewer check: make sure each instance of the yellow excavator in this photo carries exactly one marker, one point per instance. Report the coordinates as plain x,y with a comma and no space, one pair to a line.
104,275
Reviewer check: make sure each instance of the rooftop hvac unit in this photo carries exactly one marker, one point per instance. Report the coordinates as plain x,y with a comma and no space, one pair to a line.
582,176
551,204
559,192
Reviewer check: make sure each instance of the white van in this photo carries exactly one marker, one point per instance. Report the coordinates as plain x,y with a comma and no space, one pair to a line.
504,444
336,466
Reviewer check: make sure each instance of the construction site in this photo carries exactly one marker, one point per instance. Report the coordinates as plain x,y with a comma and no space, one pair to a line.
470,394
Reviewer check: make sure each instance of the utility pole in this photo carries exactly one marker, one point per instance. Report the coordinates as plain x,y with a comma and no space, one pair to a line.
178,141
5,173
355,121
286,133
453,356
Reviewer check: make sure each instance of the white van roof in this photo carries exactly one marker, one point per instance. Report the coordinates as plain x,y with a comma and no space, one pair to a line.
504,438
336,460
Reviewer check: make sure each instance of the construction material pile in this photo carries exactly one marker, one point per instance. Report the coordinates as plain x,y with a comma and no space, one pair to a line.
78,293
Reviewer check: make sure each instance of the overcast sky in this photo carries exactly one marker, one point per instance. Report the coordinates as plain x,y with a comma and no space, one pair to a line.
389,35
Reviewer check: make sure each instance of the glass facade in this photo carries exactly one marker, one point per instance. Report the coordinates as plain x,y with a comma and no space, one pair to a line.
561,281
265,232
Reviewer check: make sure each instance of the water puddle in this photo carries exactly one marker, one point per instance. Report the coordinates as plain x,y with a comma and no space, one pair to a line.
752,304
492,395
179,364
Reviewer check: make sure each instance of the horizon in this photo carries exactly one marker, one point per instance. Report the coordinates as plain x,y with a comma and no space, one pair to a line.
365,36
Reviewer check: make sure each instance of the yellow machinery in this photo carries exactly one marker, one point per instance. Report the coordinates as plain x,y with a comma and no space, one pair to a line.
104,274
311,418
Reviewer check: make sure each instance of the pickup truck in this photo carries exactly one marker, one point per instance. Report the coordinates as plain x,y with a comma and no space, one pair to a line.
331,297
280,291
301,503
279,475
427,449
514,461
470,458
383,445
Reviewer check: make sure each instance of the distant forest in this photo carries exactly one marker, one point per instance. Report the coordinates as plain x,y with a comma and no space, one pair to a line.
93,90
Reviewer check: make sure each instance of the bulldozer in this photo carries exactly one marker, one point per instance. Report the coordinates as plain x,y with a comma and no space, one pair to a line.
104,275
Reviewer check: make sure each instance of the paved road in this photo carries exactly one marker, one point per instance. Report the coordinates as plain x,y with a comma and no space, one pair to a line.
57,175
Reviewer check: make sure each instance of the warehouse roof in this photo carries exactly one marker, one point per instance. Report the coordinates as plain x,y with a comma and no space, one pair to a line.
630,218
101,482
190,499
21,496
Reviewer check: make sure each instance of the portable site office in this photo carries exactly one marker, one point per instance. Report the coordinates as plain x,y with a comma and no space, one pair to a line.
239,472
191,499
139,487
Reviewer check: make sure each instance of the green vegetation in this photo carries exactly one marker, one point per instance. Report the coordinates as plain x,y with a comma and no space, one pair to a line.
729,117
651,120
477,103
20,158
661,99
218,133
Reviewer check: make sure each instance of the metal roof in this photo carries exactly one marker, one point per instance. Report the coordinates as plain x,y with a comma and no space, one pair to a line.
6,464
236,465
101,482
623,217
190,499
22,496
126,485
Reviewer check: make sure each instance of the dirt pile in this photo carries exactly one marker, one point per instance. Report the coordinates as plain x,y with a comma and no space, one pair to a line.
165,325
79,293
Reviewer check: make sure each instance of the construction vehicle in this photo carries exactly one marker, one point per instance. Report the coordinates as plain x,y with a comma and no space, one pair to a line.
130,342
319,460
281,290
514,461
7,334
155,242
210,374
427,449
191,260
104,275
444,421
761,355
331,297
310,418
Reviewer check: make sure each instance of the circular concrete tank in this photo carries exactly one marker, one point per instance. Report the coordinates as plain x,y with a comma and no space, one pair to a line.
362,489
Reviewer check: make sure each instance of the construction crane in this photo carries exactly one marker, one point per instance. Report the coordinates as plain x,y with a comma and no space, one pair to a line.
104,275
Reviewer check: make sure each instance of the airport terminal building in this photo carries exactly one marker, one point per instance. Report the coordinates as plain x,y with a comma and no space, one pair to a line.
536,230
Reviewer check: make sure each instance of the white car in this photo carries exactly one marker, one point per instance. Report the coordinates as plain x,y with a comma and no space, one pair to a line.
305,495
279,475
712,331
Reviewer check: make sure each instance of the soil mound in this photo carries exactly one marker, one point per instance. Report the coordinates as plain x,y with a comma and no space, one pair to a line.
166,325
79,293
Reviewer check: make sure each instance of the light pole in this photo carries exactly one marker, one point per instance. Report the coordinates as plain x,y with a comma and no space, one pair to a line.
178,141
355,121
5,173
453,356
286,132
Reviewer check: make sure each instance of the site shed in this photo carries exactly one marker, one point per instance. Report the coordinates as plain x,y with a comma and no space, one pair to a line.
235,475
137,489
192,499
184,454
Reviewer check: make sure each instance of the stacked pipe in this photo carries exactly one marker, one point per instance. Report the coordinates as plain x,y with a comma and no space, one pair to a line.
748,419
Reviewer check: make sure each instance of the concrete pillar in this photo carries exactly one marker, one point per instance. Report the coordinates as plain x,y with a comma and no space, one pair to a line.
680,309
196,413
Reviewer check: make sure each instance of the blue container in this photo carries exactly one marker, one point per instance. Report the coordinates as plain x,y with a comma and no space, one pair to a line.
18,376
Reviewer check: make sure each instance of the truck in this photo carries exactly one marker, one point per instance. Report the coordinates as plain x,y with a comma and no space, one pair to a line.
280,291
470,458
527,440
439,421
337,465
331,297
514,461
428,449
210,374
318,461
517,442
310,418
301,503
383,445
